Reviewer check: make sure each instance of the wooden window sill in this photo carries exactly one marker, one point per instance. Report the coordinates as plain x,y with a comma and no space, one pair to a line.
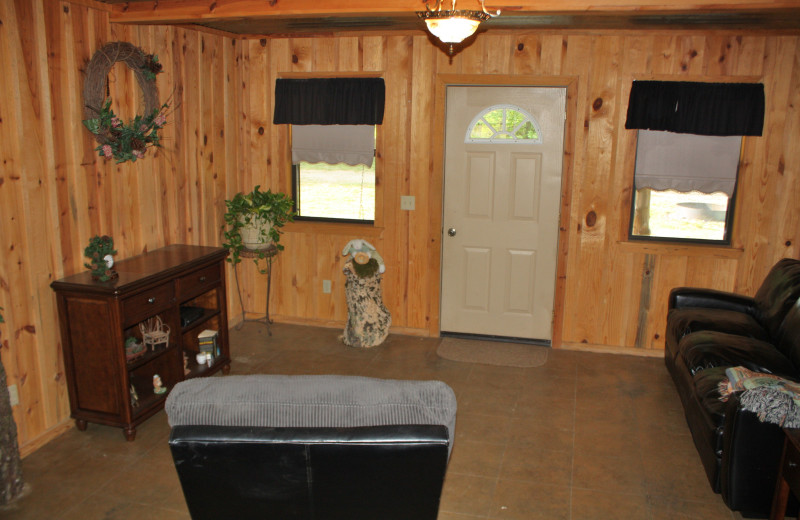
334,228
679,249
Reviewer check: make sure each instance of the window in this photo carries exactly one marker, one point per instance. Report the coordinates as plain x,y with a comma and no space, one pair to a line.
503,124
687,156
333,171
334,121
684,186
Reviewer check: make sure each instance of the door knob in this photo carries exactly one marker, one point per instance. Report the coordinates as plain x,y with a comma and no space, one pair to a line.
451,231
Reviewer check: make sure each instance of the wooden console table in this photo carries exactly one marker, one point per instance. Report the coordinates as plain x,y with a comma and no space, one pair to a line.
96,318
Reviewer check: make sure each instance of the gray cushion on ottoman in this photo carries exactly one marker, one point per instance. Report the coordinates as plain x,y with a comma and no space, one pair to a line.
310,401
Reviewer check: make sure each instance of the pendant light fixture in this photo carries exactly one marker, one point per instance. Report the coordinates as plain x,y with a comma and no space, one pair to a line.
453,26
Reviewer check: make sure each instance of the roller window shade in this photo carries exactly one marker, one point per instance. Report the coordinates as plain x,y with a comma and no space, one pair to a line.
329,101
333,144
686,162
696,107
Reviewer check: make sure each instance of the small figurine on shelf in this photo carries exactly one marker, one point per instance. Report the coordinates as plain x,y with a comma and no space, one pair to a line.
134,397
186,368
158,386
155,333
100,253
204,358
133,348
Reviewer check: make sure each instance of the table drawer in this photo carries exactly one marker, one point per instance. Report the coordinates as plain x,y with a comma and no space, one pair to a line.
198,282
147,303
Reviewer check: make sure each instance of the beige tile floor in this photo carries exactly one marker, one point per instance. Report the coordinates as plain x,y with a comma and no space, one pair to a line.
586,436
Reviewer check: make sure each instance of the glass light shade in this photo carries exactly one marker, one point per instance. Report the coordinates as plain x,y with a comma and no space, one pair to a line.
454,29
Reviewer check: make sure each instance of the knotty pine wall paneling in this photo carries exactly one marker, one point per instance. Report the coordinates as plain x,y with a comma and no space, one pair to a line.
56,192
614,292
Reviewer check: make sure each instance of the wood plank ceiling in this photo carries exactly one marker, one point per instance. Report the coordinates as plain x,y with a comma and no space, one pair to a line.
304,17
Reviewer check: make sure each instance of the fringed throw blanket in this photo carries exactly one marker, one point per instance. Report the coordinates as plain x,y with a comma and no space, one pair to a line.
774,399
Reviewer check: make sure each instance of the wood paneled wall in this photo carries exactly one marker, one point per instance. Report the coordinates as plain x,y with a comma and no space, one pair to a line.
614,295
55,192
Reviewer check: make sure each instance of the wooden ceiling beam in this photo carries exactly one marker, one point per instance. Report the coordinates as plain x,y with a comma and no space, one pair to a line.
194,11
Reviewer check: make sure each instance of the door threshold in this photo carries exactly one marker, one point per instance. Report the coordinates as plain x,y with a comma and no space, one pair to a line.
499,339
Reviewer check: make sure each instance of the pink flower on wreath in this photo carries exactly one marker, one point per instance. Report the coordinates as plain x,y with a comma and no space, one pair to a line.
115,122
143,128
138,154
160,120
107,151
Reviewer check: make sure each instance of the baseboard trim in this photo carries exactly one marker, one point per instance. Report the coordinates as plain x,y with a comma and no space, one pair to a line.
33,445
336,324
608,349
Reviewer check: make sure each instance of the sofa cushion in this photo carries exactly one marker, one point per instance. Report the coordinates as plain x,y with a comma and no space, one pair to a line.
779,291
708,349
681,322
310,401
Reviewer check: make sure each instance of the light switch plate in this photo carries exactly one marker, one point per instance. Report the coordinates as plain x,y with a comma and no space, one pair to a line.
407,202
326,286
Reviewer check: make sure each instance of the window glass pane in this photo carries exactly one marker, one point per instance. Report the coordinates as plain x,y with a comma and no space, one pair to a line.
672,214
336,191
513,119
495,119
527,131
481,131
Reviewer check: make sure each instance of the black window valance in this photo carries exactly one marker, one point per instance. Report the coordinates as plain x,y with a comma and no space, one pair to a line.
697,108
329,101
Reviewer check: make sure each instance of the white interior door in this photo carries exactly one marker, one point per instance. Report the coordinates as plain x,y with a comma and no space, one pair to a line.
502,191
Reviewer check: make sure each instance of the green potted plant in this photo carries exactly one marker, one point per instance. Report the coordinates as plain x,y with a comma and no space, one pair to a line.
253,221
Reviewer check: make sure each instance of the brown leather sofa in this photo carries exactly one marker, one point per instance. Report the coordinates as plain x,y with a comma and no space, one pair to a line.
311,447
709,331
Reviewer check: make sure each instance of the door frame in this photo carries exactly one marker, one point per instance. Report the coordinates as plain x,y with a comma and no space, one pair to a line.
437,182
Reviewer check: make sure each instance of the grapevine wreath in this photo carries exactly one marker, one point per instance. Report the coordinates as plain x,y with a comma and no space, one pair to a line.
123,142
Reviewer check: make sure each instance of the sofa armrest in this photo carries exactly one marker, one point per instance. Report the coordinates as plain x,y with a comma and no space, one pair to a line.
683,297
751,454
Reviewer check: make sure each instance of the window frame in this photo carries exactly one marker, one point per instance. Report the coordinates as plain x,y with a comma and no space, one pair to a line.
362,224
730,213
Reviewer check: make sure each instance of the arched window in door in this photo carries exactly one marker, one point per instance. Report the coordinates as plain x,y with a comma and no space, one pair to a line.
503,124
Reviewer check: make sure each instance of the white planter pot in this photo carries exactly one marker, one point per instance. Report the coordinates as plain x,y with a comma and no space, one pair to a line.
252,236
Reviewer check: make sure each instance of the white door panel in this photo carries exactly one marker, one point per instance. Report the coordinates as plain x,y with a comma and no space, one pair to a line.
502,201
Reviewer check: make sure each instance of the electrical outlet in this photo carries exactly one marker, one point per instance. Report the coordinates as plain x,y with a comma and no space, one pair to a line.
326,286
13,395
407,202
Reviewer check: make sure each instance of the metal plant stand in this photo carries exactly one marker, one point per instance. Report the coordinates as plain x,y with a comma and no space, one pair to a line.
269,253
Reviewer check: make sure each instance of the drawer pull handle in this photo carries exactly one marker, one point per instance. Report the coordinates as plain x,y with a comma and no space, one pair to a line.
792,464
202,279
151,299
